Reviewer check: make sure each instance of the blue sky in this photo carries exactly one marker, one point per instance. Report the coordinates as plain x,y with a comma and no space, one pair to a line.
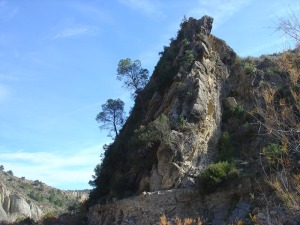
58,61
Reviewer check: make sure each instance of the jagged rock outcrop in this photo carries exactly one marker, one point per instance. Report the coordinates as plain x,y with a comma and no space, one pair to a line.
203,105
13,206
195,97
185,109
80,195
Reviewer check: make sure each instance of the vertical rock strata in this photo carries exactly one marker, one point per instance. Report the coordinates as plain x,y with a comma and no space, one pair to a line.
189,85
193,104
13,206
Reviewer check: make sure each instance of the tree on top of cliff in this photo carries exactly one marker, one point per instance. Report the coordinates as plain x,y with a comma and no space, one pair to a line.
112,116
133,75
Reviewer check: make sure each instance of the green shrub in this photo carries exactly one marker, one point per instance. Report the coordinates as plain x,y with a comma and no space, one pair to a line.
10,173
165,69
157,131
238,111
185,42
58,202
239,61
225,148
27,221
249,68
180,124
181,90
185,92
182,121
273,70
217,174
49,215
246,64
36,196
187,60
122,187
143,144
273,153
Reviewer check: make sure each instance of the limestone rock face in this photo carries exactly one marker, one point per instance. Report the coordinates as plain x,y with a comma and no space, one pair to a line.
188,88
81,196
194,98
18,205
36,212
173,137
3,215
196,27
13,206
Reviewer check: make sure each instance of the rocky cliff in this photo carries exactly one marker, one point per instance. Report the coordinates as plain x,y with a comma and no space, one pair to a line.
199,108
192,104
14,206
21,198
171,135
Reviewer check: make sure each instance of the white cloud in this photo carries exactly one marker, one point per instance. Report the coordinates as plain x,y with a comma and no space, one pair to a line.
277,45
149,8
4,93
220,10
8,77
89,10
67,169
285,12
77,31
7,12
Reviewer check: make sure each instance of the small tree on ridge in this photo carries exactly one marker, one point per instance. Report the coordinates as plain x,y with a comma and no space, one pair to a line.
133,75
112,116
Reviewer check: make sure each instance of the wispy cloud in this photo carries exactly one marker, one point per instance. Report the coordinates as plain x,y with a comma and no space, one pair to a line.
277,45
62,116
285,12
7,12
4,93
219,9
149,8
77,31
89,10
60,169
7,77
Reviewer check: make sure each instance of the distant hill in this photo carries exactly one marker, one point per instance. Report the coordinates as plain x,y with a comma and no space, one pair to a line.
22,198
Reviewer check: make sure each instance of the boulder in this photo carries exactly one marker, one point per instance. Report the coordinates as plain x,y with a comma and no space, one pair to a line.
3,215
230,103
19,207
14,206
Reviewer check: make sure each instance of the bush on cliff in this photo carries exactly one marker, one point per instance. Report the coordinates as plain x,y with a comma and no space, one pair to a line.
216,174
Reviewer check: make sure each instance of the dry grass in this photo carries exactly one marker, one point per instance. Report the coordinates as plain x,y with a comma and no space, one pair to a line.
179,221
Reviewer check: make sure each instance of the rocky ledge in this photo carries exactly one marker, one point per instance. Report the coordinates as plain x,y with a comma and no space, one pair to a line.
226,206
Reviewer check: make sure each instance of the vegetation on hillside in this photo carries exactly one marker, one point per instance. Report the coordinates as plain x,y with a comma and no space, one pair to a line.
260,135
119,173
48,199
